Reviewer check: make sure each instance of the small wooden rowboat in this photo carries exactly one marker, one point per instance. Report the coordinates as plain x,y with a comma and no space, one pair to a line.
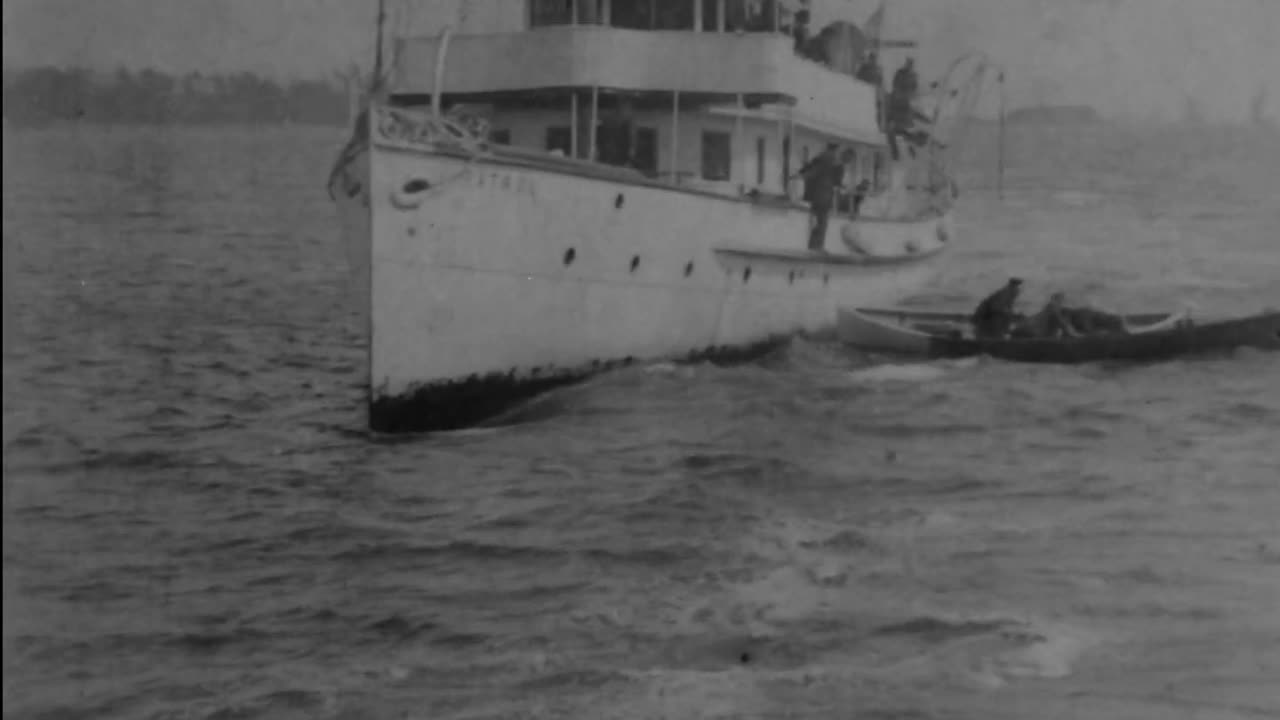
1151,337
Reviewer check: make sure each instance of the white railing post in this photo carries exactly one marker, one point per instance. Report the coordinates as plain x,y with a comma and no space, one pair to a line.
675,134
595,121
736,141
573,123
442,54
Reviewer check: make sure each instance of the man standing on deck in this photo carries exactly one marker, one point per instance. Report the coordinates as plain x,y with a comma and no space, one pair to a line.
899,120
905,82
800,33
822,175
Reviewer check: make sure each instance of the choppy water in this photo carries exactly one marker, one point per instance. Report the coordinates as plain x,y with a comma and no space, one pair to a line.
197,527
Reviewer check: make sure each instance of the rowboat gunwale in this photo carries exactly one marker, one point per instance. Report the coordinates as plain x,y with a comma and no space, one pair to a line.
1160,339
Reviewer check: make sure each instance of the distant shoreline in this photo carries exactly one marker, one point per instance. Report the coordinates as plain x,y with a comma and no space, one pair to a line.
46,96
65,124
1054,114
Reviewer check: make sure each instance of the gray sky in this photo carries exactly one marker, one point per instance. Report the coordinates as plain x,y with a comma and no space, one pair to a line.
1145,59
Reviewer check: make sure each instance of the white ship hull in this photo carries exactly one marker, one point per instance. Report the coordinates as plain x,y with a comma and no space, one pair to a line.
493,277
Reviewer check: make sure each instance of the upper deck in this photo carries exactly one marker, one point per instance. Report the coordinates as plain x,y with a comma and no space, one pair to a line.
703,53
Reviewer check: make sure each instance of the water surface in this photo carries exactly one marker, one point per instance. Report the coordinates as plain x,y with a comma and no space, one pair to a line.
196,525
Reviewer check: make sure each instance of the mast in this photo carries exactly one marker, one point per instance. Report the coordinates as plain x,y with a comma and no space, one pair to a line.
1000,147
881,11
377,44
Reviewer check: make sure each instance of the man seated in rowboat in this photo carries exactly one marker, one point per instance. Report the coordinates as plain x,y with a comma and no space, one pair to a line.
994,317
1052,321
1058,320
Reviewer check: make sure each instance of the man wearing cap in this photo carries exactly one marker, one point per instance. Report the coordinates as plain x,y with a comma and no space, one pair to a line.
994,316
822,175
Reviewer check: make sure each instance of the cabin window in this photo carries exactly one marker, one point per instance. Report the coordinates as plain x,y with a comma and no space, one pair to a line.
762,16
631,14
752,15
627,146
876,163
735,15
716,155
711,16
613,144
590,12
644,156
560,138
654,14
760,150
786,18
550,12
804,155
672,14
500,137
543,13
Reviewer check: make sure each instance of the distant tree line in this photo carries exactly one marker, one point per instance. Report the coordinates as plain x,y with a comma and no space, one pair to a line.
44,95
1054,114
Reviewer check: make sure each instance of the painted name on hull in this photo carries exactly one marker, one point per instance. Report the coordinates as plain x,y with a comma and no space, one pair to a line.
521,184
413,194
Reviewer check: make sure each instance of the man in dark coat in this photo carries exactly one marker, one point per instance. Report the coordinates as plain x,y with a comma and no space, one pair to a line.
800,33
905,86
822,175
994,316
905,81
